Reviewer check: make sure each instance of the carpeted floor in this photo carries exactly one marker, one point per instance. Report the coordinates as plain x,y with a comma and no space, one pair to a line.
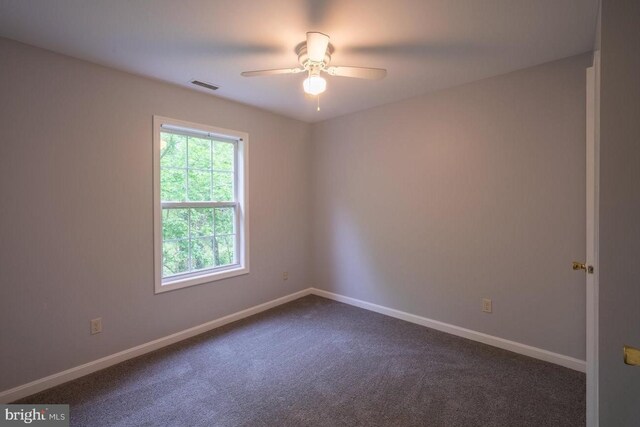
316,362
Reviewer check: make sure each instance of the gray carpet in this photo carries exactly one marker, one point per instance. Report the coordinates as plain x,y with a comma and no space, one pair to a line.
316,362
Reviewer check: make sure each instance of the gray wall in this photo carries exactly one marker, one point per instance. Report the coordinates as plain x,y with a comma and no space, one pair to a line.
430,204
619,211
76,218
426,205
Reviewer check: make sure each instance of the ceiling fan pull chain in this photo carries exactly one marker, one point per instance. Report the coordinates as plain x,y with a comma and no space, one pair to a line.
318,102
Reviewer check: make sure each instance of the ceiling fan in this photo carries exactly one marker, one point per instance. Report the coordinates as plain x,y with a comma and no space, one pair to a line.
314,56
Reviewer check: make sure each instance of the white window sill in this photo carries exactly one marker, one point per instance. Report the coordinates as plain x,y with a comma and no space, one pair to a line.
206,277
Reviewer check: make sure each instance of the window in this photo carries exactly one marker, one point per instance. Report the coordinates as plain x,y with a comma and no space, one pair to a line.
200,204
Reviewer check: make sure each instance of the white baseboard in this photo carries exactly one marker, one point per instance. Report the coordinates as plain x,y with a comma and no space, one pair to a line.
96,365
527,350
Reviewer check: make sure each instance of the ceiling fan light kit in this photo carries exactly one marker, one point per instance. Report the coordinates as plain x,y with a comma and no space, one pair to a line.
314,84
314,56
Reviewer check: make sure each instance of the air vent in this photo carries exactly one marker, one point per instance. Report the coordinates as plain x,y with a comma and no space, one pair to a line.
205,85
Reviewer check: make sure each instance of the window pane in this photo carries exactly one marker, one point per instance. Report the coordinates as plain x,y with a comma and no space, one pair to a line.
199,153
175,257
199,186
172,185
223,156
224,221
201,222
224,250
202,253
197,169
175,224
173,150
223,186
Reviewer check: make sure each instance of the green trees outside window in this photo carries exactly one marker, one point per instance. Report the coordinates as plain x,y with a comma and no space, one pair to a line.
196,180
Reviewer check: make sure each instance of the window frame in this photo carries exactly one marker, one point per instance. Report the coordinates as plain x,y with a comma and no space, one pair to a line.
241,203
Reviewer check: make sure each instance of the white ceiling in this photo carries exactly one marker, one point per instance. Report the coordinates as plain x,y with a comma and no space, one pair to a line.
425,45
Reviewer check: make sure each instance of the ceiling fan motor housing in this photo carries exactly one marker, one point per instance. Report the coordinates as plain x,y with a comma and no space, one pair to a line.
313,66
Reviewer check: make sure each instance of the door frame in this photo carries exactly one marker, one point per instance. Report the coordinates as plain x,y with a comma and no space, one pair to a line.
592,243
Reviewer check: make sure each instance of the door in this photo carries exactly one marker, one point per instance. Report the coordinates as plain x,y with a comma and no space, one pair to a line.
618,130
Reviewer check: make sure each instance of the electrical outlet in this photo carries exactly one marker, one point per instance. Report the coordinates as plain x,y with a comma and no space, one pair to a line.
96,326
285,275
486,305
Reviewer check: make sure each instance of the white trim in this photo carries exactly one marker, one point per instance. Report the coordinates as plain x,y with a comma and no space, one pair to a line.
241,203
190,131
178,205
527,350
592,233
199,278
96,365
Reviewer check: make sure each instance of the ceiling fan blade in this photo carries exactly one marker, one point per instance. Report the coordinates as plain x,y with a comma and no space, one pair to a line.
271,72
317,44
358,72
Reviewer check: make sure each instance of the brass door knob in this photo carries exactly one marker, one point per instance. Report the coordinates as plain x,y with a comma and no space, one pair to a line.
631,356
582,266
